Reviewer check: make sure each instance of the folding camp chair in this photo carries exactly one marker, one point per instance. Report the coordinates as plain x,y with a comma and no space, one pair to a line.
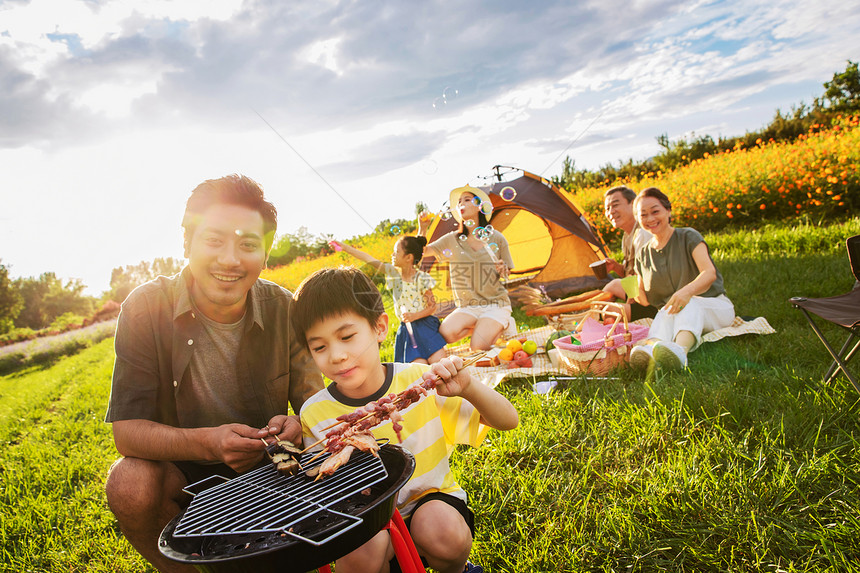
842,310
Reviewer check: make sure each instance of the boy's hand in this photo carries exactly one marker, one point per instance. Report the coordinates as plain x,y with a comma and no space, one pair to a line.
454,381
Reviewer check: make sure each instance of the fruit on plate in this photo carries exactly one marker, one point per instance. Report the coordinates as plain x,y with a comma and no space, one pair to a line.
506,354
555,336
530,346
521,360
515,345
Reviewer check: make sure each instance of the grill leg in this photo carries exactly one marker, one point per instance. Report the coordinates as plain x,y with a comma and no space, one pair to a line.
404,547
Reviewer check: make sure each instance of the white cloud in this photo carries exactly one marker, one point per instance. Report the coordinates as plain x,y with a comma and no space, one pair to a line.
324,53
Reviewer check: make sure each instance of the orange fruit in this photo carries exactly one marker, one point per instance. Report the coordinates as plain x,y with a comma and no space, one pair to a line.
506,354
514,345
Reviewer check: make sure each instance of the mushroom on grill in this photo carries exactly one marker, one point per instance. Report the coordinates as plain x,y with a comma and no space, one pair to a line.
285,456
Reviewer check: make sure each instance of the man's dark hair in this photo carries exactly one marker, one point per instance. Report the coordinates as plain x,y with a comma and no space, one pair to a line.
230,190
626,192
332,292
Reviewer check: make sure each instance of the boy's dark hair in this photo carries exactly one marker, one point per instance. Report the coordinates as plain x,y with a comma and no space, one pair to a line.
414,246
332,292
625,191
232,189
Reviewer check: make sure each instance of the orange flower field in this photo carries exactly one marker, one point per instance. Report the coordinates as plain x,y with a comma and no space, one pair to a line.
816,176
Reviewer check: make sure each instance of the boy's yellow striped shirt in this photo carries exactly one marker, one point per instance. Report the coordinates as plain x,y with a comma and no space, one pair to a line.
431,429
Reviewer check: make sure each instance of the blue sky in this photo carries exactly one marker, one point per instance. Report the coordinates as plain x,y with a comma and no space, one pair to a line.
351,112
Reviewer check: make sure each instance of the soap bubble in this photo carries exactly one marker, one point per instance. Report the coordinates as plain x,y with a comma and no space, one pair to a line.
508,193
482,234
445,215
439,103
462,236
450,93
494,247
447,253
395,230
490,229
486,208
469,223
430,166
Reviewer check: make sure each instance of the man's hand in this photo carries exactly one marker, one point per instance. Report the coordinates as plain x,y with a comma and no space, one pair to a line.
237,445
454,381
283,427
613,266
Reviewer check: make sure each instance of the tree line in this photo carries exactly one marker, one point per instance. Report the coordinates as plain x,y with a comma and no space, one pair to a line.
48,302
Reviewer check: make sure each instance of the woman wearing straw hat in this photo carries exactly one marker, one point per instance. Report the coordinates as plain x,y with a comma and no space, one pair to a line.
479,258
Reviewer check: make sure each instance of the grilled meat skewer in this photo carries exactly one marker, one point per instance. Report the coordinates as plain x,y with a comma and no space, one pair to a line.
387,407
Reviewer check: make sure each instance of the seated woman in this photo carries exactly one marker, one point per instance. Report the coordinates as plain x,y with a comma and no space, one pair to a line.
677,276
483,307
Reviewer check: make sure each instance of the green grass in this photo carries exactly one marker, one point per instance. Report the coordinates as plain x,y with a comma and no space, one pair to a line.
744,463
54,456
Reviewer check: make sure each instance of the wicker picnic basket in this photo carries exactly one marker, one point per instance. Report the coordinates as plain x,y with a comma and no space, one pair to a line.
602,355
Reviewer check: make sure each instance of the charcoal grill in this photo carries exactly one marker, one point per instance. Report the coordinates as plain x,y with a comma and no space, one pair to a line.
263,521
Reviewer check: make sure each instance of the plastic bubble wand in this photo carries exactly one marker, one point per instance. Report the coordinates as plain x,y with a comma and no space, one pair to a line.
409,328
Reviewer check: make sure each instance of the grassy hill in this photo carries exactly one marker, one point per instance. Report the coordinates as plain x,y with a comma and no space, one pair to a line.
745,463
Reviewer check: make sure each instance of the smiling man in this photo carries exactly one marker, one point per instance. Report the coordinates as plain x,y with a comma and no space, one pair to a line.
206,365
618,208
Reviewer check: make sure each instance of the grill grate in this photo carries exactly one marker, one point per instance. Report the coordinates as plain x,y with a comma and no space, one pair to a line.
264,501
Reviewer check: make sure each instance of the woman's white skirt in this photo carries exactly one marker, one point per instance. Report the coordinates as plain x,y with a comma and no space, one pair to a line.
700,316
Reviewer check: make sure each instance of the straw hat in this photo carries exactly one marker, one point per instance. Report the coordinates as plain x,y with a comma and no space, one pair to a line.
454,199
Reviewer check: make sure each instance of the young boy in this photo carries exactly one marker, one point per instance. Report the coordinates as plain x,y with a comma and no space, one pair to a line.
339,314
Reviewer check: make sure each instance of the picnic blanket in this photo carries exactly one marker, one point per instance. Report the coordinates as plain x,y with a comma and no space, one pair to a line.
494,375
738,327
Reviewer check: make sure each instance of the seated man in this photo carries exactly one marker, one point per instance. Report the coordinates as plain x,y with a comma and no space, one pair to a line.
618,208
206,365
